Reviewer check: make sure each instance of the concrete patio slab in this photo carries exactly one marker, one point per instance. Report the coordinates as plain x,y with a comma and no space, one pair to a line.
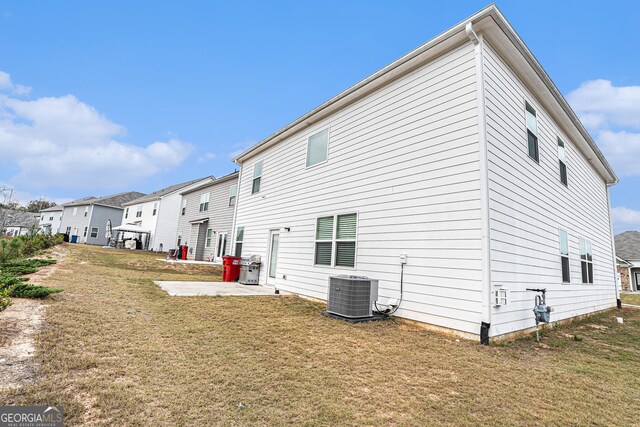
192,289
187,261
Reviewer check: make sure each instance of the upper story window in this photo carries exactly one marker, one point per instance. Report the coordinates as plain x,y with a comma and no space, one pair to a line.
318,148
155,209
532,132
75,211
42,219
50,218
126,213
184,206
336,235
86,210
586,261
562,159
204,202
257,175
233,192
564,256
139,212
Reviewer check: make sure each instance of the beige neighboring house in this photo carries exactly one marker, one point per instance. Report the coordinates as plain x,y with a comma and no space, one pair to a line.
205,218
628,260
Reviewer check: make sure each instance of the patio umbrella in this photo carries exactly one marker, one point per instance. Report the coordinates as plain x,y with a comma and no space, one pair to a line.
108,232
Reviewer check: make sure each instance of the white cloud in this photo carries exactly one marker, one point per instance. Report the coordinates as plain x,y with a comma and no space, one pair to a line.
601,104
625,219
612,114
6,84
64,142
207,157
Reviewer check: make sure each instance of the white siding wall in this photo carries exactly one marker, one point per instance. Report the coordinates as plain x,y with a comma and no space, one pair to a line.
147,221
167,223
528,205
406,159
51,224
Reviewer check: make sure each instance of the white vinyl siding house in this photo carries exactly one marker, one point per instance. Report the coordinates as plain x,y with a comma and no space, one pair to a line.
405,160
445,158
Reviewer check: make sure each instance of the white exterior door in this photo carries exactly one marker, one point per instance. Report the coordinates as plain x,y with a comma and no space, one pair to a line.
221,246
274,242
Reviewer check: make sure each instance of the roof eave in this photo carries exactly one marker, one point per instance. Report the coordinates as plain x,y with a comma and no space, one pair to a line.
404,65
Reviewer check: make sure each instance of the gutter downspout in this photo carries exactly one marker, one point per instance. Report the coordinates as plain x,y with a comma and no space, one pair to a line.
235,211
613,252
485,324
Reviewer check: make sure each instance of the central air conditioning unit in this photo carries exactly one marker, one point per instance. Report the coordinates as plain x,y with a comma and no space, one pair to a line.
351,296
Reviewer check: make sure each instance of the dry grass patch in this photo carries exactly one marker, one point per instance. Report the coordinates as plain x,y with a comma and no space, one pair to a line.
117,350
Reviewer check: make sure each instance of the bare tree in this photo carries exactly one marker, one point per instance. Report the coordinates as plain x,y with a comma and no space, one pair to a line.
6,193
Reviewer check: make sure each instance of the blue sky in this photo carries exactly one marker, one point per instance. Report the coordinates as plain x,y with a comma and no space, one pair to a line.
100,97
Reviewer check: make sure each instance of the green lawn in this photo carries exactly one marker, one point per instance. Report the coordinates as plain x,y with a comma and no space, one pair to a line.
633,299
117,350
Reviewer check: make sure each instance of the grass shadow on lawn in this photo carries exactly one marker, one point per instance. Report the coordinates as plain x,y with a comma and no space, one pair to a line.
118,350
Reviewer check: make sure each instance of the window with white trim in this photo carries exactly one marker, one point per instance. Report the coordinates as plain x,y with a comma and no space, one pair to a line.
204,202
75,211
126,213
184,206
335,243
233,192
50,218
586,261
209,236
86,210
564,256
139,212
318,148
68,232
562,160
85,232
532,132
94,232
257,177
239,240
179,238
155,209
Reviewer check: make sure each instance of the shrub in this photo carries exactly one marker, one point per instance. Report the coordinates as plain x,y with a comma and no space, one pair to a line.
24,290
5,301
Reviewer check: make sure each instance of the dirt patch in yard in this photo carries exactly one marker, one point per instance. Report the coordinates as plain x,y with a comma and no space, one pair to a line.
18,325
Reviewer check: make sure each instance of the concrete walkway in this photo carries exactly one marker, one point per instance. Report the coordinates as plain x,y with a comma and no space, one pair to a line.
192,289
187,261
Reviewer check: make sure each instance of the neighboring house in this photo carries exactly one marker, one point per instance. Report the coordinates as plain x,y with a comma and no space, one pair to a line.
206,218
628,260
50,219
85,220
158,213
18,223
461,156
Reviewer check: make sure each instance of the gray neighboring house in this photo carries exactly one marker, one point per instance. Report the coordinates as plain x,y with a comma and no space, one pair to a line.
17,223
628,260
206,218
85,219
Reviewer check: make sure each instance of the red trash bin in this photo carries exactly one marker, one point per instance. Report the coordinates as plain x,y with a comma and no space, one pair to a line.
230,268
183,253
